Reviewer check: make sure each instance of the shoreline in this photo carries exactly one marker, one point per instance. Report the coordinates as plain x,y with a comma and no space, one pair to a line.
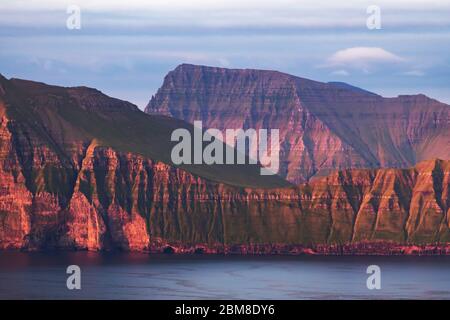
357,249
354,249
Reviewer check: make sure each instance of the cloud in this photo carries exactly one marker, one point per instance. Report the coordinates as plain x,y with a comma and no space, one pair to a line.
219,4
304,14
362,58
341,72
362,55
142,40
414,73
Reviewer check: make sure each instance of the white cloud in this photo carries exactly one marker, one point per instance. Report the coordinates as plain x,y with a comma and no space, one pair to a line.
342,72
228,13
362,58
221,4
414,73
363,55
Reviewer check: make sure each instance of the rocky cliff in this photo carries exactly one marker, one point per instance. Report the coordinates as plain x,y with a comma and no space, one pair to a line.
80,170
323,126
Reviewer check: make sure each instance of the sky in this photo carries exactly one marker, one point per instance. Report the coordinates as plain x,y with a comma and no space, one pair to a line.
125,48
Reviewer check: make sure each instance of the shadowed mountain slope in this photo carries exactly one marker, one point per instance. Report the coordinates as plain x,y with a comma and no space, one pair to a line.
67,120
323,126
80,170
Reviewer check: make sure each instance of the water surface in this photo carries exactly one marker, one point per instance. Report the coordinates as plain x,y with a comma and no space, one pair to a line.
143,276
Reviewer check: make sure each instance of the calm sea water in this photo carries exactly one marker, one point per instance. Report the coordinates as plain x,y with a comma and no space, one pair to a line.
142,276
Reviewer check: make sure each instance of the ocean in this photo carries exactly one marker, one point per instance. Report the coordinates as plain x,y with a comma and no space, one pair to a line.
144,276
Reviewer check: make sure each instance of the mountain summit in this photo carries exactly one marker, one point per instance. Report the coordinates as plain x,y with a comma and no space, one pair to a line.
323,126
81,170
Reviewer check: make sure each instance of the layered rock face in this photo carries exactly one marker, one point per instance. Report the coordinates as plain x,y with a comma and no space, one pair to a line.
67,182
41,164
323,126
124,201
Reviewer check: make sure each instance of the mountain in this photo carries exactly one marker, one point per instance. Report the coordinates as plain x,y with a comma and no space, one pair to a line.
323,126
81,170
65,121
347,86
49,137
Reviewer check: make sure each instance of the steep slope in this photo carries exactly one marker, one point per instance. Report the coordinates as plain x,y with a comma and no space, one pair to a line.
66,120
80,170
323,126
47,137
124,201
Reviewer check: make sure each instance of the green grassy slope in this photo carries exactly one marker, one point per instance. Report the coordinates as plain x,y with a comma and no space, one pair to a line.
60,116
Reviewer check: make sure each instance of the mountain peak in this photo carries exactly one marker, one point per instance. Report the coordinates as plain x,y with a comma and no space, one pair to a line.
344,85
266,75
93,99
86,97
188,66
323,126
3,81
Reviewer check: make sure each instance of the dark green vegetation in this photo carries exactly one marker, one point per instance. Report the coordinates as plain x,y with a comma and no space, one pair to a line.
61,117
80,170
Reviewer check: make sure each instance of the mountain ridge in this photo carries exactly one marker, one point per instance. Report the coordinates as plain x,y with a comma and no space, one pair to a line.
66,116
322,126
82,171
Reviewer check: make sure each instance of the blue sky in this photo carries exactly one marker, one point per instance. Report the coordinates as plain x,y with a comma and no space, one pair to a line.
125,48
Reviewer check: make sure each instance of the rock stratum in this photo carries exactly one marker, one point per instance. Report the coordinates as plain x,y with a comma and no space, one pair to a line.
323,126
80,170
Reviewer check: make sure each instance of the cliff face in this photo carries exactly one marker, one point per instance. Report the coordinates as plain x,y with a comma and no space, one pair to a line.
69,182
124,201
323,126
76,172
